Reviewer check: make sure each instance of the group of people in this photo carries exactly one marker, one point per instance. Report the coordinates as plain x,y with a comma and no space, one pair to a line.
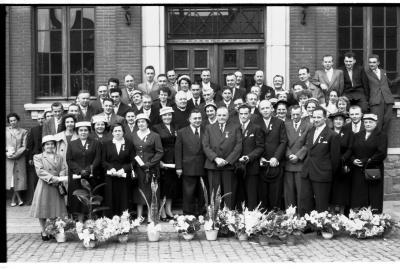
306,146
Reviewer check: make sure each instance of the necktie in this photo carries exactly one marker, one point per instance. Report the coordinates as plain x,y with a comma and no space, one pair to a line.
243,128
108,118
196,132
316,134
366,135
221,127
296,125
354,128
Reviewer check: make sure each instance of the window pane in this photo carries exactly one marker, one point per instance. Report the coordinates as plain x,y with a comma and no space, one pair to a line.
88,63
56,63
250,58
197,78
76,64
75,15
357,16
43,61
391,60
56,85
391,16
359,56
44,89
344,16
391,37
377,16
180,59
55,18
230,58
357,38
43,19
88,84
88,40
76,85
378,38
43,42
88,18
200,58
75,40
344,38
55,41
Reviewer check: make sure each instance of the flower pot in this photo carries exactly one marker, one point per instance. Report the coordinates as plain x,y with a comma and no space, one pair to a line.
327,235
187,236
91,244
242,236
270,241
211,235
123,238
60,238
153,236
291,240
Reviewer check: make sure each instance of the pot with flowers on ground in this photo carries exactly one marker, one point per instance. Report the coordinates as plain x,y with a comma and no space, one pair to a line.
60,228
186,225
123,226
293,224
328,224
246,222
92,232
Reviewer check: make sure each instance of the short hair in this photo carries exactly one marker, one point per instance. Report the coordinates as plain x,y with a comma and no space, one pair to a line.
73,104
355,107
12,114
205,70
185,79
165,90
208,89
149,67
172,70
57,104
116,125
108,99
45,113
129,75
194,110
376,56
223,108
350,55
278,76
230,74
115,80
226,88
244,106
344,99
327,55
66,116
83,91
162,75
251,93
147,97
301,84
195,83
118,90
320,108
304,67
102,85
293,107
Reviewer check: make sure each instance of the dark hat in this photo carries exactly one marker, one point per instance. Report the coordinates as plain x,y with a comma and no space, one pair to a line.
210,104
281,102
344,115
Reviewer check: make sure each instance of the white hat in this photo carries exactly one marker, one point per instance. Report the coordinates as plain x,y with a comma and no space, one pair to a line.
83,124
48,138
96,119
370,116
142,116
166,110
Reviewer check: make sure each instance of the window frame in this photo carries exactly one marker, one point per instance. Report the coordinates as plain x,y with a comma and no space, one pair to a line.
65,52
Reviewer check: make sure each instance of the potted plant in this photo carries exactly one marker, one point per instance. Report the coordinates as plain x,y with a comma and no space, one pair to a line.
59,228
93,232
246,222
328,224
270,229
293,224
154,227
186,225
123,225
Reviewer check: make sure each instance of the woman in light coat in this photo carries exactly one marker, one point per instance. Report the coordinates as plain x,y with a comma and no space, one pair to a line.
51,170
16,178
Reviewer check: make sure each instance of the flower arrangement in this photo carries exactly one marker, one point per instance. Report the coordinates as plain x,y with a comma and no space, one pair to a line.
123,224
325,221
293,224
364,224
186,224
227,220
99,230
59,226
248,220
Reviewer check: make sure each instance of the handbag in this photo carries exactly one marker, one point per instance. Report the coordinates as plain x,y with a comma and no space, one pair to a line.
61,189
372,174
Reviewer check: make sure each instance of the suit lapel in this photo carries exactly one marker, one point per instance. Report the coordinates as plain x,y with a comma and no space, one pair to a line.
320,136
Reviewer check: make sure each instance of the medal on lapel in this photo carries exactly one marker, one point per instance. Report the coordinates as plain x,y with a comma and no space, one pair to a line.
145,139
123,147
319,139
270,127
175,133
87,146
299,132
245,134
226,134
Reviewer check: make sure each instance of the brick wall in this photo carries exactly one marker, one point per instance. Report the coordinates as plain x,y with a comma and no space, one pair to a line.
392,177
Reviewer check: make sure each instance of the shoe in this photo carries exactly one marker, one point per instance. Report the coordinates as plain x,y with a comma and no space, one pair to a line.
21,203
13,204
169,217
45,237
164,219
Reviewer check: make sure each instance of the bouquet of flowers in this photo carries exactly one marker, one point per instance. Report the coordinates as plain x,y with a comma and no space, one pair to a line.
325,221
293,224
123,223
246,222
186,224
271,225
99,230
364,224
59,226
227,220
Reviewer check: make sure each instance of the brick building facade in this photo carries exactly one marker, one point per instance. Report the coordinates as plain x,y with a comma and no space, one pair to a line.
127,39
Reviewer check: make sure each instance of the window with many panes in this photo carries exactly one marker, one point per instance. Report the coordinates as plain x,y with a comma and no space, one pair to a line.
65,42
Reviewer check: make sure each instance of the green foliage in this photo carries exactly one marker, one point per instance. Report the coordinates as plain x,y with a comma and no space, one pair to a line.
88,197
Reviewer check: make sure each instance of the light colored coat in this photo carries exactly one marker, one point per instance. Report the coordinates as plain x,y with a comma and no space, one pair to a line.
62,145
16,168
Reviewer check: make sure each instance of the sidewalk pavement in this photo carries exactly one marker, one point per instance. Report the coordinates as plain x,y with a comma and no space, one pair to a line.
25,245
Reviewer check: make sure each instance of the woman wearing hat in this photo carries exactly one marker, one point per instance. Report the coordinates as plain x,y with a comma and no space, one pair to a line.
149,152
184,84
369,149
211,114
100,129
168,178
301,96
341,185
118,160
83,159
51,170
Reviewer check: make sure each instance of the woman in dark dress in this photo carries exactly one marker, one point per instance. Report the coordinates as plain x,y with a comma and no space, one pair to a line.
370,145
100,129
341,185
83,159
168,178
149,152
118,159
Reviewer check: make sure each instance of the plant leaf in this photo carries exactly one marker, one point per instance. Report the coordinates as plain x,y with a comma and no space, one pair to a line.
81,192
100,208
86,184
98,186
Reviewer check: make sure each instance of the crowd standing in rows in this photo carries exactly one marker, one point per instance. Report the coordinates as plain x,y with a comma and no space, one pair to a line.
306,146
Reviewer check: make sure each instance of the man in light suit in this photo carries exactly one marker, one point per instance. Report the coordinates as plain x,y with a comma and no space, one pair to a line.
109,114
53,125
149,86
296,131
127,92
321,163
329,79
222,144
189,163
102,93
380,97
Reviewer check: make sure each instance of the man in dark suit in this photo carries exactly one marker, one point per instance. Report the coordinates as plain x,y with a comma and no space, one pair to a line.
127,92
329,79
189,163
356,125
149,110
321,163
355,82
252,100
252,149
120,108
272,160
196,99
227,101
222,144
308,84
34,146
109,114
102,93
207,84
85,110
379,96
266,92
240,84
296,131
53,125
231,83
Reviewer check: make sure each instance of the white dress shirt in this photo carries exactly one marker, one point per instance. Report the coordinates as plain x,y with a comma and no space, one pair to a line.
378,73
355,127
267,121
329,74
318,131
